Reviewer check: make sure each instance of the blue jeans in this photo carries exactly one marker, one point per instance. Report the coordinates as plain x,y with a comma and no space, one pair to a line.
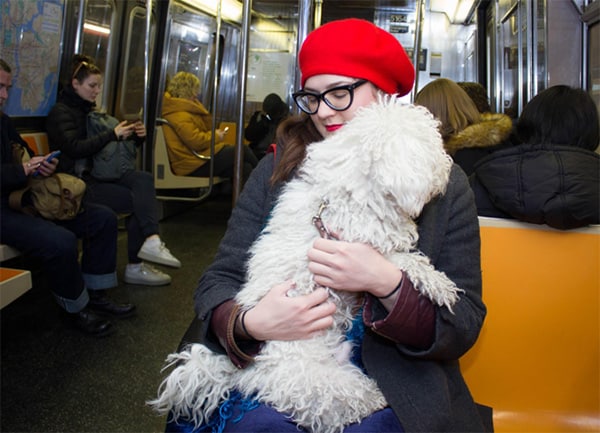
133,194
55,244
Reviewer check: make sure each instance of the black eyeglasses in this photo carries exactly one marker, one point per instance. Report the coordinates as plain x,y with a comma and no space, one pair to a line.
338,98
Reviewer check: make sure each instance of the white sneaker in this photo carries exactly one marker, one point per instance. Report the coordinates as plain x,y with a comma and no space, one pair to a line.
155,251
145,275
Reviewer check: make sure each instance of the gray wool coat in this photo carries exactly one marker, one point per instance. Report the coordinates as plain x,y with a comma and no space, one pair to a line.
425,388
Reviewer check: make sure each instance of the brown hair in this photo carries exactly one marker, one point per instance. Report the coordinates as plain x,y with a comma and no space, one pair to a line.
293,134
450,104
83,66
478,94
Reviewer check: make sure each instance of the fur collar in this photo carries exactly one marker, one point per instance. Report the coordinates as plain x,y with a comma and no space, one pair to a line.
492,130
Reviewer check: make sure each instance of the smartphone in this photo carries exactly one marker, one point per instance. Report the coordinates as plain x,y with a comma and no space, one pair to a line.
135,117
50,158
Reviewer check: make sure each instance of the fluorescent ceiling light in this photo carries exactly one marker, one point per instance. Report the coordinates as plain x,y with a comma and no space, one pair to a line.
93,28
456,10
230,9
462,11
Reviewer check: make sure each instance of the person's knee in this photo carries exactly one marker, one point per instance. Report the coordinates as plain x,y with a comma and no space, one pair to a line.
142,181
62,243
105,216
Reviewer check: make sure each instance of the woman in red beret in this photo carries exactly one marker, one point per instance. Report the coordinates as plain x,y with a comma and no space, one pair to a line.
409,345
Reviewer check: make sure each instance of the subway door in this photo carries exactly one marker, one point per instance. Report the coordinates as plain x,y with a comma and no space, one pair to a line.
133,60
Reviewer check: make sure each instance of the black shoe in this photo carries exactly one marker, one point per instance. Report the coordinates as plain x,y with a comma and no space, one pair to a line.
100,303
88,322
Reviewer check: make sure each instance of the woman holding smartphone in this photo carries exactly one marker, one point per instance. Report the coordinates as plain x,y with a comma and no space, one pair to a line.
189,131
132,193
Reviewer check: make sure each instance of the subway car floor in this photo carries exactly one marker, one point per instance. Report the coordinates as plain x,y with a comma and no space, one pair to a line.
55,379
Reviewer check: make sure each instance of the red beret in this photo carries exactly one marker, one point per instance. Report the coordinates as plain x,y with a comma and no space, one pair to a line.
359,49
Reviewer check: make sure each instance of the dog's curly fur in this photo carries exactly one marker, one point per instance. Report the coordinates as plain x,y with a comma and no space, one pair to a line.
375,174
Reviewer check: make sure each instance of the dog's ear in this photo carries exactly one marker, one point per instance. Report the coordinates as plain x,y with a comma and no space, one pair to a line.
393,147
408,159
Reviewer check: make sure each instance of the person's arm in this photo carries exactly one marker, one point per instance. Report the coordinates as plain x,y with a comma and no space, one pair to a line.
13,173
393,308
226,325
449,236
410,317
192,132
257,128
66,130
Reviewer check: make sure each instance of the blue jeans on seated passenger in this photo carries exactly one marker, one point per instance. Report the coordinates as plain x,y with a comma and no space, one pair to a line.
55,244
264,419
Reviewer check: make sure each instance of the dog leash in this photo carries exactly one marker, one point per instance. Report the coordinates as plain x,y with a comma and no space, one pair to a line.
318,221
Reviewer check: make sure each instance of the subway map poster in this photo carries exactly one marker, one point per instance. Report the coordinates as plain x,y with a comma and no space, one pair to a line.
30,41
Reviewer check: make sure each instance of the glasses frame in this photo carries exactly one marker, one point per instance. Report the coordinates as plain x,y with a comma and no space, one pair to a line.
322,96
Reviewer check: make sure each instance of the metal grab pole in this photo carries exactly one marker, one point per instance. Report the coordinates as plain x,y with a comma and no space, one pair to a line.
417,46
77,43
214,106
305,12
238,171
146,72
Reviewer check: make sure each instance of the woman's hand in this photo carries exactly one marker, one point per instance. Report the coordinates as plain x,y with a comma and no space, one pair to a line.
46,168
280,317
220,135
139,128
124,129
353,267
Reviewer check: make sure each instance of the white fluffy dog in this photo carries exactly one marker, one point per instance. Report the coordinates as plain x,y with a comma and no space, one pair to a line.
367,182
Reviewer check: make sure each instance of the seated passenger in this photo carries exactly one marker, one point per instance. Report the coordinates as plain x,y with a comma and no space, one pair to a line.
191,129
468,134
478,95
405,342
79,289
553,176
261,128
132,194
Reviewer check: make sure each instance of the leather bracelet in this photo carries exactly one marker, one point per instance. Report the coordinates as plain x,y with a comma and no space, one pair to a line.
230,335
243,323
392,292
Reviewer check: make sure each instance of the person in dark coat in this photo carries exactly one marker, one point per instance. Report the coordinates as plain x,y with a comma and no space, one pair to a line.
553,176
262,126
133,194
79,289
410,346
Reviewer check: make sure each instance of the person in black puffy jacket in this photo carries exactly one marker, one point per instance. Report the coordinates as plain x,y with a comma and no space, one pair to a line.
263,124
552,176
133,194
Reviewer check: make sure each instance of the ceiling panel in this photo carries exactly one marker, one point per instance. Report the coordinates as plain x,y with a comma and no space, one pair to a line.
332,9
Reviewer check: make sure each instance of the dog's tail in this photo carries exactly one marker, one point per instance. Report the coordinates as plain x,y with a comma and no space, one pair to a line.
196,387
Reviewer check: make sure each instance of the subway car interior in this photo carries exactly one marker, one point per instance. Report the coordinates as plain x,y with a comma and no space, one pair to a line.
55,379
